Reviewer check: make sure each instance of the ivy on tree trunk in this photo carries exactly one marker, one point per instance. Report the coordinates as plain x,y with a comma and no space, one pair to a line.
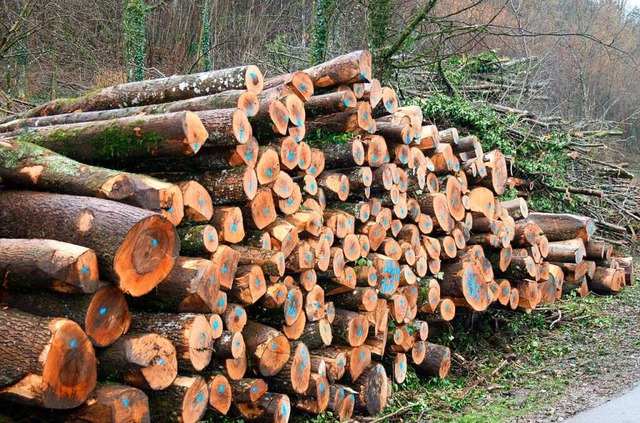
205,38
135,38
320,34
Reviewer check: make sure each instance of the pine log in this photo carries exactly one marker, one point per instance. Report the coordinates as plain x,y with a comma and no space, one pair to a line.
104,315
190,334
34,264
54,368
135,248
146,361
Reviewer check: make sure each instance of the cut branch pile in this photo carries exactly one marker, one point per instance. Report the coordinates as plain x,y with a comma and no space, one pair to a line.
227,266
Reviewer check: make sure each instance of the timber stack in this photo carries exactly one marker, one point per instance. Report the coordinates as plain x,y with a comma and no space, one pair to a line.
184,239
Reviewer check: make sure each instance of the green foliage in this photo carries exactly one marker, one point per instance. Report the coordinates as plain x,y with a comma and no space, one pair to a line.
319,138
135,38
542,159
205,38
320,33
378,23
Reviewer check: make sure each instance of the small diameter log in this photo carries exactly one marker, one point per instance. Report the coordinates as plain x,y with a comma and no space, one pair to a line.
197,202
293,378
191,287
235,185
350,328
173,88
327,104
317,334
598,250
53,366
228,223
437,361
228,345
113,404
259,212
373,390
185,401
334,360
626,263
267,349
235,318
345,69
344,155
248,286
220,394
104,315
342,401
517,208
360,299
316,398
123,139
569,251
199,240
225,264
496,167
34,264
135,248
269,407
146,361
559,227
191,334
247,390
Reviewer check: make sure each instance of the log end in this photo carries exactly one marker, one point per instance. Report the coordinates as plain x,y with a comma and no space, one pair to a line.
195,134
200,340
107,316
220,394
254,80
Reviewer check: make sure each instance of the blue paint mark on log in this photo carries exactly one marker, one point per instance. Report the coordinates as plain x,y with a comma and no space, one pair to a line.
103,310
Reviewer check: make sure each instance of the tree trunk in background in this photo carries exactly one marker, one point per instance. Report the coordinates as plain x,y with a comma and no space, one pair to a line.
135,39
378,21
320,33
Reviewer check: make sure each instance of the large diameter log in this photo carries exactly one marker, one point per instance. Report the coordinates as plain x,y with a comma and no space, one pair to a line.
104,315
191,334
162,90
114,404
124,139
31,166
146,361
36,264
50,363
267,349
560,227
606,280
185,401
136,249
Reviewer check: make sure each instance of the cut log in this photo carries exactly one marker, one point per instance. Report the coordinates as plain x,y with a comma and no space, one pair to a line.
113,404
34,264
197,202
199,240
269,407
259,212
293,378
235,185
373,390
464,280
104,315
437,361
191,335
350,328
135,248
220,394
53,367
146,361
559,227
345,69
267,349
185,401
248,286
123,140
247,390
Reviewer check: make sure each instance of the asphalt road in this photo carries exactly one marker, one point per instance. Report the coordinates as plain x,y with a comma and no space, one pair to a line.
624,409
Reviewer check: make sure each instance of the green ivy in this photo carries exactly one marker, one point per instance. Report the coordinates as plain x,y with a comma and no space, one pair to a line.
205,38
320,33
135,38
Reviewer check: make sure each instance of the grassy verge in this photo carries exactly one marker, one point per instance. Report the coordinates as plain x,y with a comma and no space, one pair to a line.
508,366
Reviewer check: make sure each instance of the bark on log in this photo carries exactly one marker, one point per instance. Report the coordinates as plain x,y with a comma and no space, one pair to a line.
136,248
34,264
146,361
185,401
155,91
54,366
113,404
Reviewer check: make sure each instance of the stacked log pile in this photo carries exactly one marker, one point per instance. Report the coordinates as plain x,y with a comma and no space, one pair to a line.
229,266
